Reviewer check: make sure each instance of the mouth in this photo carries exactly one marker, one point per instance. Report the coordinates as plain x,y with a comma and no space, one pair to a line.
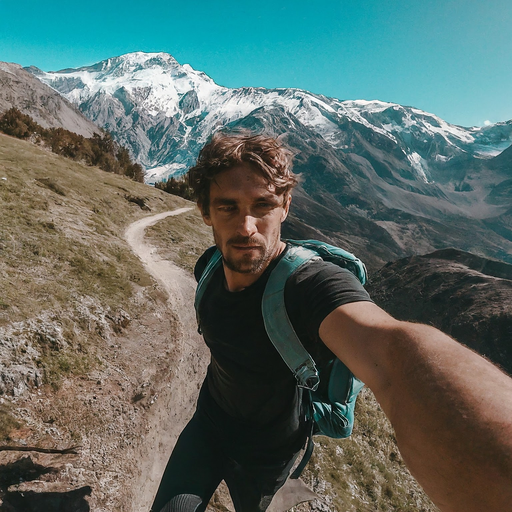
246,247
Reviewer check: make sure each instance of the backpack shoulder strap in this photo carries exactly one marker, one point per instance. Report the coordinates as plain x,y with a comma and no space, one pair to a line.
211,267
335,255
277,323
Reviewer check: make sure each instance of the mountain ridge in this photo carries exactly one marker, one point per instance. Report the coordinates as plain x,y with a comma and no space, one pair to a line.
322,109
380,167
464,295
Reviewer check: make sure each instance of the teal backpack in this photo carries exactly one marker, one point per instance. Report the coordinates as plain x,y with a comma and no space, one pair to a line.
330,391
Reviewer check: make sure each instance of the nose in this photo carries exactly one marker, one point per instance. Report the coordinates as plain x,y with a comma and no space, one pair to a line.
247,225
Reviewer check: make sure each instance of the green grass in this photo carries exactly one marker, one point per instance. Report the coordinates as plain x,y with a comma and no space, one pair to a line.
7,422
181,238
61,232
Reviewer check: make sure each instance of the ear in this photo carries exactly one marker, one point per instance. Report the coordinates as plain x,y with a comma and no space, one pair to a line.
206,217
286,207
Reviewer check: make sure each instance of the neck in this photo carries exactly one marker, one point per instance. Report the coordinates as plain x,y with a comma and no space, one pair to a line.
236,281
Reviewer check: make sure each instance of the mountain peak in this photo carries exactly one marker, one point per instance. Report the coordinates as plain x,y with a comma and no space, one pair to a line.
154,81
129,63
136,60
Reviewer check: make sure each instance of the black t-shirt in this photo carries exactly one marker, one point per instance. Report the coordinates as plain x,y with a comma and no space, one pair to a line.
250,393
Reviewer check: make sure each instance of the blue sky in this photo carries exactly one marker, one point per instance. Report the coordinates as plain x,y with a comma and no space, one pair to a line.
449,57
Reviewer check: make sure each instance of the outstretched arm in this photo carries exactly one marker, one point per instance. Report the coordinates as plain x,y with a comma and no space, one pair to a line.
450,408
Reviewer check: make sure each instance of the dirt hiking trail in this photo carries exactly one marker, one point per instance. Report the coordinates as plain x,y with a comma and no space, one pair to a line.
170,413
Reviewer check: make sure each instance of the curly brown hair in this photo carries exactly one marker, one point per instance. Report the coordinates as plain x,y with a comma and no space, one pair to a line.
265,155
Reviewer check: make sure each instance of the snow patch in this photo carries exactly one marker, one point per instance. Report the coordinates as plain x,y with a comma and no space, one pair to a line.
370,105
165,84
490,151
163,173
419,165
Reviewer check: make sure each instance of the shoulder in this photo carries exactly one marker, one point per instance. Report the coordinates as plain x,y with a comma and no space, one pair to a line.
319,273
203,261
318,288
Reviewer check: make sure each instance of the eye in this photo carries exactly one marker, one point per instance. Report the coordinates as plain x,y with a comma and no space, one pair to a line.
227,208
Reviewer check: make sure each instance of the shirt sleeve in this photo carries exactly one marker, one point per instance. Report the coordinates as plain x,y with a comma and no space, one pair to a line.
317,289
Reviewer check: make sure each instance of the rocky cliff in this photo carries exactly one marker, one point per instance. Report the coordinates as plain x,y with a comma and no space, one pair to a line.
20,89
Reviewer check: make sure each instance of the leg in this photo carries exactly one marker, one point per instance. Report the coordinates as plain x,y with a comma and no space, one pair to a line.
193,472
253,486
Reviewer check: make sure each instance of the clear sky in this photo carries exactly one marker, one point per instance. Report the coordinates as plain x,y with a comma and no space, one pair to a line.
452,58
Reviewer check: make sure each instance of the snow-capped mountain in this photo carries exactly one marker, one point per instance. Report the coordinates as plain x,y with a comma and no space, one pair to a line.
164,111
381,178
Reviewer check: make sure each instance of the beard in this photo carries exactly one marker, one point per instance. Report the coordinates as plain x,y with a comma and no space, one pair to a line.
247,263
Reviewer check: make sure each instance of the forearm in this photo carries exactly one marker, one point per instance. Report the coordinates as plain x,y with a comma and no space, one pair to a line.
451,410
452,414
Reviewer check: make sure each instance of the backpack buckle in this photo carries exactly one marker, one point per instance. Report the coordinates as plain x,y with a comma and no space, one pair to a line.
307,376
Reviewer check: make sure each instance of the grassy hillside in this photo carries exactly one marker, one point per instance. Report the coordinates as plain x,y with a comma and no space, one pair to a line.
364,473
61,231
62,252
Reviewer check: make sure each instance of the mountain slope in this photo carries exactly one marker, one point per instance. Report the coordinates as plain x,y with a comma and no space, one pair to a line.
464,295
19,88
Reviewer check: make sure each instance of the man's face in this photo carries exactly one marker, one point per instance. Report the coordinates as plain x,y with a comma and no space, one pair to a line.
246,216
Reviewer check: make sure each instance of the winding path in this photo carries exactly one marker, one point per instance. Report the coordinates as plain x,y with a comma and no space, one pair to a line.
175,281
176,401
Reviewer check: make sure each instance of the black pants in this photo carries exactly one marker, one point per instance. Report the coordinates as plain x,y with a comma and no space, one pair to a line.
199,463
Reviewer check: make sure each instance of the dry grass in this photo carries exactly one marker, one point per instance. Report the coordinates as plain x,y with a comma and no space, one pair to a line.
61,247
181,239
7,422
61,231
365,473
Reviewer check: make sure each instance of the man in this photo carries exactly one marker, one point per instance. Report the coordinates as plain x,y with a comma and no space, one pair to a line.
451,409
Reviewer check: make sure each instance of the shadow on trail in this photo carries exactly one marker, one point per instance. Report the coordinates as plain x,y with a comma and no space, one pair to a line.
25,470
22,470
31,501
